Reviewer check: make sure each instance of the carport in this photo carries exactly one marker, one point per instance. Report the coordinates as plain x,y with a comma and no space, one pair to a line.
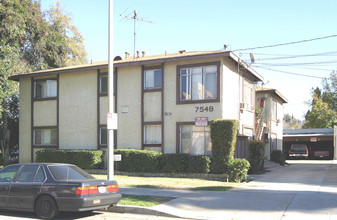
319,139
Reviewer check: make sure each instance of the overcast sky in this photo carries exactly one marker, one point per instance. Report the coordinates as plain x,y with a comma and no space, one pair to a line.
303,30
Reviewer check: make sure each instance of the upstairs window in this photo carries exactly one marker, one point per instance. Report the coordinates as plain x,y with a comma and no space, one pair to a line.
152,79
198,83
103,84
45,88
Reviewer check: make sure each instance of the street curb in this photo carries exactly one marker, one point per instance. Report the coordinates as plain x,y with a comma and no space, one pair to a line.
138,210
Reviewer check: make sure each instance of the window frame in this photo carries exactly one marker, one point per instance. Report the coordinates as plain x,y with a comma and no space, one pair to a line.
100,136
105,75
52,145
179,139
160,132
35,81
150,68
178,85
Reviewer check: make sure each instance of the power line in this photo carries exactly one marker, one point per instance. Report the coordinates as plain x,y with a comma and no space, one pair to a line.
297,74
289,43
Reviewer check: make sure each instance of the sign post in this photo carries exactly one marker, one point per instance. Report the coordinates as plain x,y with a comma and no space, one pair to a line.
110,95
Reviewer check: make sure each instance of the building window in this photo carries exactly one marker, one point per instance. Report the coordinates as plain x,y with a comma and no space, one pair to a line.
103,136
45,137
45,88
198,82
153,79
103,84
152,134
195,140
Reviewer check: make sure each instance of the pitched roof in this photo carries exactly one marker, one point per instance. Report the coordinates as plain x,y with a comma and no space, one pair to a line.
146,60
273,91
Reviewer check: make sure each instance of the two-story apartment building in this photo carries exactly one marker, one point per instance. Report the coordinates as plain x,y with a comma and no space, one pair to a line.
164,103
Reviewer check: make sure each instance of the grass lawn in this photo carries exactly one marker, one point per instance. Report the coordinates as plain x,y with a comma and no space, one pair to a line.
145,201
171,183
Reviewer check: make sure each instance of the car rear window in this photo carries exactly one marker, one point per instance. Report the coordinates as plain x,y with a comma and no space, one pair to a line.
298,147
64,172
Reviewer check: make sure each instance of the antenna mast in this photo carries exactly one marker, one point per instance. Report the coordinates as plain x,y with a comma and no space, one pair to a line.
135,18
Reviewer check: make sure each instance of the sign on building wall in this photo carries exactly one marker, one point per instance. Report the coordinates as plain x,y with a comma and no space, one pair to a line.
201,121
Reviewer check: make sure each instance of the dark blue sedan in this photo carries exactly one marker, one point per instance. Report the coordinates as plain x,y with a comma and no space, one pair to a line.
49,188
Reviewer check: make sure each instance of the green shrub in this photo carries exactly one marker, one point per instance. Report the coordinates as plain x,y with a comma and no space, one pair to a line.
223,135
85,159
183,163
256,156
173,163
278,157
199,164
238,169
138,160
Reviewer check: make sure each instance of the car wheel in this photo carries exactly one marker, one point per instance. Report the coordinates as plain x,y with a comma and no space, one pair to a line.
46,207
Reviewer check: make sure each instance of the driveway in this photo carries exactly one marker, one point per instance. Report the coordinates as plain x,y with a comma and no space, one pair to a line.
302,190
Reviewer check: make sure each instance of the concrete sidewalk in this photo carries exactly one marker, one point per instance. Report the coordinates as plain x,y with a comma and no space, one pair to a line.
297,191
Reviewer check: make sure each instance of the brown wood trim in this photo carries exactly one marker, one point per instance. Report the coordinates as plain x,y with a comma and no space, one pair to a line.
45,99
152,145
152,90
32,121
162,109
58,112
152,123
142,107
98,107
178,102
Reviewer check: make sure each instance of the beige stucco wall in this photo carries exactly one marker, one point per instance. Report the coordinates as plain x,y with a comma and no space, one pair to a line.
182,112
25,120
129,98
104,108
45,113
152,106
78,110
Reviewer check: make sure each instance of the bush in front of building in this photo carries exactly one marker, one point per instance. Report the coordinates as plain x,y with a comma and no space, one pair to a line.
237,170
85,159
278,157
223,135
145,161
138,160
256,156
183,163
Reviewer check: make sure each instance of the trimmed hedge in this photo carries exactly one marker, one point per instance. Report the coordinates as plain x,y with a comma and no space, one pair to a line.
256,156
182,163
223,135
85,159
154,162
137,160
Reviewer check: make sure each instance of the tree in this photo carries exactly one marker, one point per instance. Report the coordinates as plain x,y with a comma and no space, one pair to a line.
289,121
320,115
31,40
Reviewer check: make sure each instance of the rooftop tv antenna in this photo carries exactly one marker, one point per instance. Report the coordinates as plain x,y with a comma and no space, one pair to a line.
135,18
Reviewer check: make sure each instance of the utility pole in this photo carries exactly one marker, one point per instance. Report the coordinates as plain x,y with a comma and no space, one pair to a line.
135,18
110,95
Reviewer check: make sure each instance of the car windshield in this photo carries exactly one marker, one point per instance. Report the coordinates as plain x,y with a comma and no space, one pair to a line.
68,172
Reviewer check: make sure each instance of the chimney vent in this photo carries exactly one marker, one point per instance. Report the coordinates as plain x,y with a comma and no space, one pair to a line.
181,51
137,53
143,53
127,55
